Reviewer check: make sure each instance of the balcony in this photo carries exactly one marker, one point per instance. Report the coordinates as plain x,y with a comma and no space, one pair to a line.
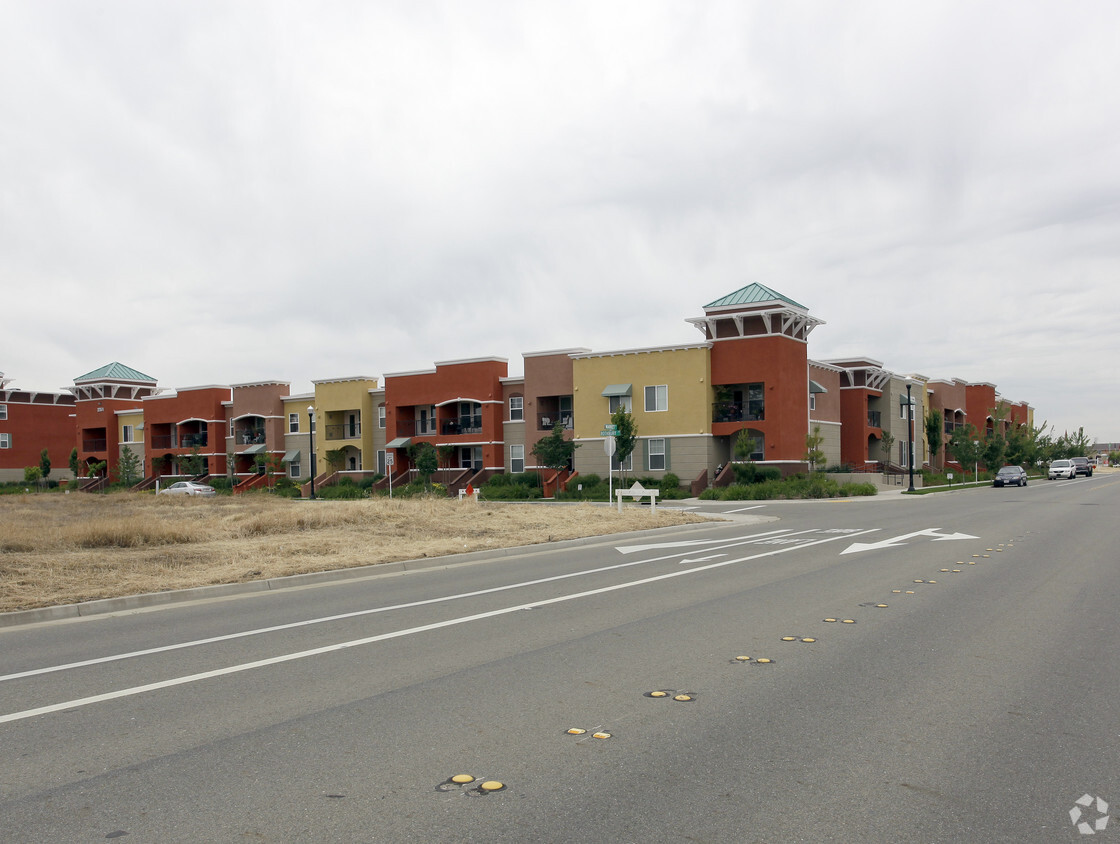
462,425
94,445
548,421
189,441
343,432
875,419
249,436
733,411
163,441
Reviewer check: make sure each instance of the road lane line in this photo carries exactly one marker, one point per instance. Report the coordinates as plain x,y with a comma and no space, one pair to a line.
451,622
359,613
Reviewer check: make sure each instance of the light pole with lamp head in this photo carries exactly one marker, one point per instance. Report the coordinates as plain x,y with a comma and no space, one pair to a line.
910,425
311,430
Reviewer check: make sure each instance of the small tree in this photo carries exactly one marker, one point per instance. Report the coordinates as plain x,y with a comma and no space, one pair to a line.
193,463
813,453
426,461
94,470
626,439
75,469
744,445
554,451
962,445
336,459
45,464
128,468
935,429
992,450
886,445
31,474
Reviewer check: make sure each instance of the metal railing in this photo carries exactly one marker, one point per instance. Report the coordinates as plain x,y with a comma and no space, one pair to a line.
737,411
343,432
548,421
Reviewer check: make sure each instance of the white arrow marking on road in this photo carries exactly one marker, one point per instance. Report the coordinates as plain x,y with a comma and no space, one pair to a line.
689,543
702,559
901,540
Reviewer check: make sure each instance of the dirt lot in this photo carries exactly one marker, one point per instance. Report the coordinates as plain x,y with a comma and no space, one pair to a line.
62,549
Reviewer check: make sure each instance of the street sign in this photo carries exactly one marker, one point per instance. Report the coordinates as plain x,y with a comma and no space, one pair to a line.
610,429
389,457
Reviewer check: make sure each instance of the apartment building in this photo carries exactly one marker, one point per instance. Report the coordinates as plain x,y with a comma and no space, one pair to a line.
748,379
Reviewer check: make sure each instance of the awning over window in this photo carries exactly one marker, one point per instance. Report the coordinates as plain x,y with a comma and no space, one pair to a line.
814,387
254,449
399,442
617,390
292,456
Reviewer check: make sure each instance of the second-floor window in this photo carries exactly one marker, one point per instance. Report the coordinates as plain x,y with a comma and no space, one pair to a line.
516,409
3,412
127,434
5,440
381,416
657,398
293,423
620,401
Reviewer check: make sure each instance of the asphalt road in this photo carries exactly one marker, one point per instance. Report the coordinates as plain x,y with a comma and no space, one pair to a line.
978,704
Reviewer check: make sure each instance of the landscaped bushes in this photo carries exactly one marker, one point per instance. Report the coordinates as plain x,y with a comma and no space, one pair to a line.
817,485
523,486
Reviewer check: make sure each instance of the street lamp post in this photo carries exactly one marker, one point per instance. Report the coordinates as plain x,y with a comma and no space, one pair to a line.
910,422
976,464
311,430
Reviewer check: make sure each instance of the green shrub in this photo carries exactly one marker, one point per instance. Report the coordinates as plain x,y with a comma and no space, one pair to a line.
341,491
670,481
752,473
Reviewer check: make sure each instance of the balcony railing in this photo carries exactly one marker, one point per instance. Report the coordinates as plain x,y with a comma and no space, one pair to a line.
191,440
952,426
344,432
462,425
875,418
93,445
547,421
735,411
163,441
249,436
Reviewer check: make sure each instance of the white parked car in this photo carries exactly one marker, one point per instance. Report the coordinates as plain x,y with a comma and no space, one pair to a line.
188,488
1062,469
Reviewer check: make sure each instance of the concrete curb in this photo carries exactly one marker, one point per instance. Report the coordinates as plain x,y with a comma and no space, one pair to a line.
106,606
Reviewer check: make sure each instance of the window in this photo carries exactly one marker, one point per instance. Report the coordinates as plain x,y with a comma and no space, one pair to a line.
758,444
381,416
517,459
5,440
126,434
628,466
3,412
812,401
655,451
293,423
657,398
516,409
620,401
231,427
756,402
293,469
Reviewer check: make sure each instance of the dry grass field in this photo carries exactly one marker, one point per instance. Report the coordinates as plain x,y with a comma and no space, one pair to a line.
62,549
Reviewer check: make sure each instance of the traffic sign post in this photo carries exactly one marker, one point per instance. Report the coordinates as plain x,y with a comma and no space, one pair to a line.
389,457
609,446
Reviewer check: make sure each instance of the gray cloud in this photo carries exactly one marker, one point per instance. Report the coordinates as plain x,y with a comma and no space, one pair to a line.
357,188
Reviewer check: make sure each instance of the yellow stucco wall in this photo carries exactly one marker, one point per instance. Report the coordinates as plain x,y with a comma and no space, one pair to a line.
686,372
135,420
334,396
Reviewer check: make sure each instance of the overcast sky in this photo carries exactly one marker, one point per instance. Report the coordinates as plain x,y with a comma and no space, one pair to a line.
221,192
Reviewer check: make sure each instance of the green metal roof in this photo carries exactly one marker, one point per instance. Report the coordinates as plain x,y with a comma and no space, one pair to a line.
752,294
115,372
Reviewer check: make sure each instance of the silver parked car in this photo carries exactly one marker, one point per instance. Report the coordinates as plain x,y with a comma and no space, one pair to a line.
1062,469
188,488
